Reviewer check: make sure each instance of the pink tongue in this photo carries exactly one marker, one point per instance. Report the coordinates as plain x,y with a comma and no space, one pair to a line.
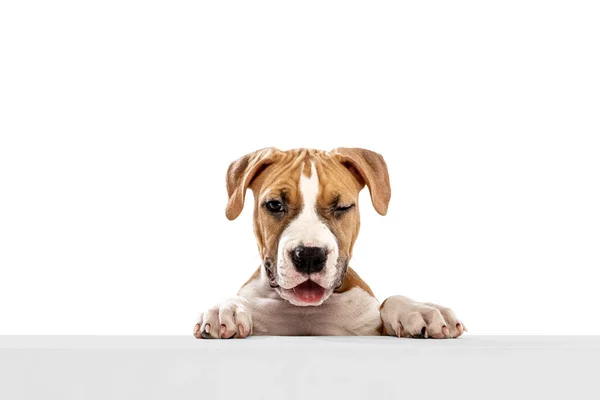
309,292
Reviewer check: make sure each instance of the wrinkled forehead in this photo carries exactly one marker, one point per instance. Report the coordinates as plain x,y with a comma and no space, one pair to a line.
283,178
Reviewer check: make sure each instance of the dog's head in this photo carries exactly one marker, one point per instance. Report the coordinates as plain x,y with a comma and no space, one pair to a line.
306,215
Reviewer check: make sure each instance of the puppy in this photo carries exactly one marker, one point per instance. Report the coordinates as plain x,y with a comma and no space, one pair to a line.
306,220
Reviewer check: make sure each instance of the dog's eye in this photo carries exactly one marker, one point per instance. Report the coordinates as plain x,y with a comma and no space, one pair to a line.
274,206
342,209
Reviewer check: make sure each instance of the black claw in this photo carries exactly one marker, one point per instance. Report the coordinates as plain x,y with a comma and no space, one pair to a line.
420,335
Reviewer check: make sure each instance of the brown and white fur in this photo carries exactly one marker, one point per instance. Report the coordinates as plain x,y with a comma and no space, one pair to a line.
309,198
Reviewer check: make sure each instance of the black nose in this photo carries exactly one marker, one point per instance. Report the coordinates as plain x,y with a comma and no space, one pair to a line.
309,260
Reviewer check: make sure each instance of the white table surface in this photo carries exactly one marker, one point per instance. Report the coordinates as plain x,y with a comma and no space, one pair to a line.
173,367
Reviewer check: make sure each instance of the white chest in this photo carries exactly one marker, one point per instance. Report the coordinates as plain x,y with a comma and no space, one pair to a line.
353,312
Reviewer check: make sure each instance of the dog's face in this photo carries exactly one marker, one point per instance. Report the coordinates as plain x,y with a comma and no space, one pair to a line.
306,215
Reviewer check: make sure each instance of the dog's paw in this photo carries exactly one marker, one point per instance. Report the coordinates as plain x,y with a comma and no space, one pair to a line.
404,317
230,319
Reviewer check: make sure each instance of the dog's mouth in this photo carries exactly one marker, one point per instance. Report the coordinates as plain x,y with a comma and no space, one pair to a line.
309,292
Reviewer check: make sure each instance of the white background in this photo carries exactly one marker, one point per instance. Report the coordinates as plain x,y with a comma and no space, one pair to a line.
118,120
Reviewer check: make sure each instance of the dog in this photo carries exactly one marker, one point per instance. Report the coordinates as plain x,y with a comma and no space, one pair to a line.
306,220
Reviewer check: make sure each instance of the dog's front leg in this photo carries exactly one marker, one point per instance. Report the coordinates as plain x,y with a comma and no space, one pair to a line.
404,317
226,320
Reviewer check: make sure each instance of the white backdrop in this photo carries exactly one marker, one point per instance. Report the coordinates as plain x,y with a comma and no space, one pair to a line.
118,120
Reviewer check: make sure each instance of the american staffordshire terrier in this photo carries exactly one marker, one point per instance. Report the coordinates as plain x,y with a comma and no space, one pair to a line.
306,220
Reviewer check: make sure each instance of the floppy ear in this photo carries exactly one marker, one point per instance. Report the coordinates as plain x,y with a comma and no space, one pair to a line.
372,171
239,176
